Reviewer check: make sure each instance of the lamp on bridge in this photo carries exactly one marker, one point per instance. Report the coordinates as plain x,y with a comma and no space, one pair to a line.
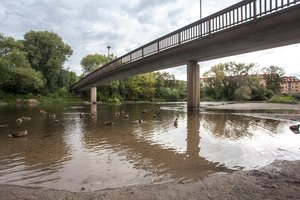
108,48
200,9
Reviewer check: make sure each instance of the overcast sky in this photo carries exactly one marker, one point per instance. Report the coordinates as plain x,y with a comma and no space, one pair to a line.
89,26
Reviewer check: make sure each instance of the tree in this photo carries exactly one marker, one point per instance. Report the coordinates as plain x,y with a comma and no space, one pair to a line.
273,77
47,53
231,81
215,81
141,87
16,75
24,80
92,62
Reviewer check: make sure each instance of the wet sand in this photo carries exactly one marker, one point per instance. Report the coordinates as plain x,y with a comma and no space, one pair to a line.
249,106
254,106
279,180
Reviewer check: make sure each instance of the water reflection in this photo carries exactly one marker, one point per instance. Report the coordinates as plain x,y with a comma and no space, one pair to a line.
193,134
83,152
93,109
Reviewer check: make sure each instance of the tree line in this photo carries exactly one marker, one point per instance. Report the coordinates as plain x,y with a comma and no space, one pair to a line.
238,81
153,86
34,64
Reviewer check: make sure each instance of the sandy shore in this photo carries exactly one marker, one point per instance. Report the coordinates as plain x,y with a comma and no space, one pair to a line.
249,106
279,180
263,107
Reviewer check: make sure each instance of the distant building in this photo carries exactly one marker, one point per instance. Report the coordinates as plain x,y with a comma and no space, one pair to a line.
290,85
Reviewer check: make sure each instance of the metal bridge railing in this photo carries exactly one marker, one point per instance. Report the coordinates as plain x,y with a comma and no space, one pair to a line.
240,13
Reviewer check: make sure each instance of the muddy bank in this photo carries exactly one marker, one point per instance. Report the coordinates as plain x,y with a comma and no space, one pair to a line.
249,106
263,107
279,180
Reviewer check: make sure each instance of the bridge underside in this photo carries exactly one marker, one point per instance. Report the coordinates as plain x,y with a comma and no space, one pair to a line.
275,30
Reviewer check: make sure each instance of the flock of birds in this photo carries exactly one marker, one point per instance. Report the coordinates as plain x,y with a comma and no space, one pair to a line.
126,115
21,120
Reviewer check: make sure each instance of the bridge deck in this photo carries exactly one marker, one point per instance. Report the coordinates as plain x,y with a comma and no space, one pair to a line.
247,26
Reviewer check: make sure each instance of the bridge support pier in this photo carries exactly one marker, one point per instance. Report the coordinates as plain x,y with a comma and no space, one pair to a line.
193,86
93,95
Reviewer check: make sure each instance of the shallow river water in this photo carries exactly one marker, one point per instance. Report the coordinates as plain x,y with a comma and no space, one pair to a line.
81,153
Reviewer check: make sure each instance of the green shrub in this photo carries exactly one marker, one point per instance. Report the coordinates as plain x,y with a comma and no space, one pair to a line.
283,99
114,100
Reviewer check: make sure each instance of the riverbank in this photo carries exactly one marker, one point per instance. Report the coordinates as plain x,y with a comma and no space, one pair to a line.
61,97
279,180
249,106
264,110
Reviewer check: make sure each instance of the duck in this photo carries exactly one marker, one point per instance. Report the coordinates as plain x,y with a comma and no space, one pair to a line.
25,118
19,121
175,121
144,111
43,112
127,115
52,116
122,112
18,134
3,125
108,123
295,128
117,114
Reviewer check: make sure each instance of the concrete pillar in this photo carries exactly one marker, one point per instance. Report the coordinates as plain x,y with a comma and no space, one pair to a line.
193,86
93,95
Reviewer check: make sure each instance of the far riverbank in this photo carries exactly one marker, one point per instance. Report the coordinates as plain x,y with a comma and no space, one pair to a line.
265,110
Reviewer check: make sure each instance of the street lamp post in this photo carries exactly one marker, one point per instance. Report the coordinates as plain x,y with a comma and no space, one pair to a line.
108,48
200,9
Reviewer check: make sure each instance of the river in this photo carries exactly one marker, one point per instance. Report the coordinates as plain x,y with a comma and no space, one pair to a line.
83,151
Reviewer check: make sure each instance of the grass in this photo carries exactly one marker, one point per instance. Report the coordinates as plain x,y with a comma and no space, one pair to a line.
283,99
60,96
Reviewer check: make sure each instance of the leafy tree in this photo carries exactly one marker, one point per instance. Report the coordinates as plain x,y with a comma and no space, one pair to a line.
243,93
73,77
24,80
231,81
92,62
141,87
47,53
215,81
16,75
273,77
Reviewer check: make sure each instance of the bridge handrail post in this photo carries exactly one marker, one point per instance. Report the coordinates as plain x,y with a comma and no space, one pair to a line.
209,27
254,10
179,37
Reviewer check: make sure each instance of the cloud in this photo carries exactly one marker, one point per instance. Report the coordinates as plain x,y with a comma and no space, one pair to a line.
89,26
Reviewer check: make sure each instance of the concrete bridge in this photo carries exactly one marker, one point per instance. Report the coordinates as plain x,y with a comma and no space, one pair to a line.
247,26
